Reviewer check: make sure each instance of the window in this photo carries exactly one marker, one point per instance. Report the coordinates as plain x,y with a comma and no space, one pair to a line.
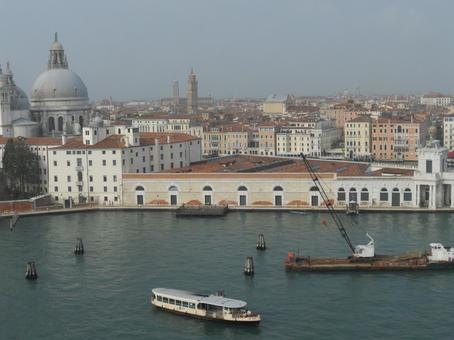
185,304
55,162
104,163
69,189
207,188
114,178
90,162
429,166
79,161
91,189
364,195
55,179
103,152
383,194
162,166
105,189
114,162
341,195
159,298
178,302
165,300
104,178
69,178
407,195
105,198
68,163
56,189
91,178
115,189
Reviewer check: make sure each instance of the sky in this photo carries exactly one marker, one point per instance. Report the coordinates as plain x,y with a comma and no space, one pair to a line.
239,48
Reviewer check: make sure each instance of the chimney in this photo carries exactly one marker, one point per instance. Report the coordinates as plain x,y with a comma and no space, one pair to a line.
63,139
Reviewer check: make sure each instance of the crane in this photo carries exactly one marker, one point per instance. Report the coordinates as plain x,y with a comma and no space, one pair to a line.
337,220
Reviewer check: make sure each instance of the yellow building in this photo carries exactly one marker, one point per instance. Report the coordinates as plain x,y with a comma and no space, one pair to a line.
276,104
358,138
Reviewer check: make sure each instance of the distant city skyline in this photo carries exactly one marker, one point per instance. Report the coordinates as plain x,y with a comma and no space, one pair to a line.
136,50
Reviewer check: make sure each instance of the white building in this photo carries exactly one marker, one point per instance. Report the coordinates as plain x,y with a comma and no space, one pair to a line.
312,138
435,99
90,169
448,132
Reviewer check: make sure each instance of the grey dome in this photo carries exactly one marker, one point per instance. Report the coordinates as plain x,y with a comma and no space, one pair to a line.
19,100
58,83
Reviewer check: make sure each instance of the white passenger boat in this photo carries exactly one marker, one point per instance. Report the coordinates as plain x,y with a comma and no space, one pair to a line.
211,307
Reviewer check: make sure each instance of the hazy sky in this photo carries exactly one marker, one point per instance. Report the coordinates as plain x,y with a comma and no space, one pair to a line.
135,48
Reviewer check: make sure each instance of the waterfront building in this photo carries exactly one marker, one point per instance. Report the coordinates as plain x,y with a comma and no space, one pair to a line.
59,98
14,108
192,93
276,104
398,138
263,140
358,138
90,168
435,99
254,182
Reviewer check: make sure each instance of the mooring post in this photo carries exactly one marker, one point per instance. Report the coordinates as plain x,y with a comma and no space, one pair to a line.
249,266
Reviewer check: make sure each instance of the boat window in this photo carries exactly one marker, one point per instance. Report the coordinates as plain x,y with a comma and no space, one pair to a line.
201,306
185,304
153,297
172,301
178,302
159,298
192,305
165,300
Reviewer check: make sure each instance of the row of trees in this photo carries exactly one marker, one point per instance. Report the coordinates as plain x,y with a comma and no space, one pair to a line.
20,172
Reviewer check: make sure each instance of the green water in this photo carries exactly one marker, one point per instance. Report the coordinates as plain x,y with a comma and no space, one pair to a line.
105,293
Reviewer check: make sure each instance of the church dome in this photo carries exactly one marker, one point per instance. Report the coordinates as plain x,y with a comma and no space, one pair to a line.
59,83
18,98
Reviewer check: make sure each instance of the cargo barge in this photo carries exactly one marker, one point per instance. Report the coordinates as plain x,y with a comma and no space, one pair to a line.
363,257
439,258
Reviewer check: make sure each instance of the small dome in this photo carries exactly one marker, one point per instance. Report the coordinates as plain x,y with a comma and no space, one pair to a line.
58,84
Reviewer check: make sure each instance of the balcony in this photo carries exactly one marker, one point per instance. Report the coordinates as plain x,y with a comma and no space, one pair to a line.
79,168
80,183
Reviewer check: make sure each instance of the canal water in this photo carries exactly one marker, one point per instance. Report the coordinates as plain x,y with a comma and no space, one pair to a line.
105,293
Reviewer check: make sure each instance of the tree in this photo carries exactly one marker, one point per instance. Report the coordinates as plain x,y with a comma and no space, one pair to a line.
20,167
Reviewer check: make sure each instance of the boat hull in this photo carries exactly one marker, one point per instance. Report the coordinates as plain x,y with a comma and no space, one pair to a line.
375,264
239,321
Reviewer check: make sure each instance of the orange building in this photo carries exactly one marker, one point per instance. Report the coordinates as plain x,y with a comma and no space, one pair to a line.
397,138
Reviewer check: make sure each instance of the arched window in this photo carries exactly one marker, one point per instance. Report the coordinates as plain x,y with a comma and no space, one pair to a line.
407,195
207,188
79,176
314,188
242,188
51,123
352,195
395,190
173,188
364,194
278,188
81,121
383,194
341,195
399,129
139,188
60,123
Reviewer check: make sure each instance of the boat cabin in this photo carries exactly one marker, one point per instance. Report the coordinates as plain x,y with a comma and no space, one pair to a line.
441,253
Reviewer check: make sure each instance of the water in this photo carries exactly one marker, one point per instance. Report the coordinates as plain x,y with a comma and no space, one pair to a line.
105,293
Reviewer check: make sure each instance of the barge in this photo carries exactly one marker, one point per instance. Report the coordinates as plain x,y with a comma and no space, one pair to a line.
209,307
363,257
438,258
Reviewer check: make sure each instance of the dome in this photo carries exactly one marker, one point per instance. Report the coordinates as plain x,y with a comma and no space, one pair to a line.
58,84
19,100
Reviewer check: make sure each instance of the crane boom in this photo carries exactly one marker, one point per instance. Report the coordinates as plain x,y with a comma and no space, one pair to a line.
337,220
